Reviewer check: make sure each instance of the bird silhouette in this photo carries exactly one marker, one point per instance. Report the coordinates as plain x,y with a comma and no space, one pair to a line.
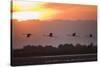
50,35
74,34
28,35
90,35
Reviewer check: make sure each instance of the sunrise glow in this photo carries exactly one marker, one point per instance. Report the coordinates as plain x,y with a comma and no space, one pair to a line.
31,10
26,10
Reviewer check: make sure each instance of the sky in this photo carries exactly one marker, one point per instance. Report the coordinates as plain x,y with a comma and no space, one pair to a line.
25,10
42,18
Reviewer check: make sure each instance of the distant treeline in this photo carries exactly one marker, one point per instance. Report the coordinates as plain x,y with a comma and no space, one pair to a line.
62,49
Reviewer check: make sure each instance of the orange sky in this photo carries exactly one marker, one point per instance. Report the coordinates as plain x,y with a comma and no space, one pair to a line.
55,11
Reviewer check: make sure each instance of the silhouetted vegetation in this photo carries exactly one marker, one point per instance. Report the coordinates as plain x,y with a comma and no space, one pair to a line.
62,49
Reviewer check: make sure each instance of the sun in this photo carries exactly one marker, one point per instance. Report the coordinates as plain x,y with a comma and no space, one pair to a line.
22,16
26,10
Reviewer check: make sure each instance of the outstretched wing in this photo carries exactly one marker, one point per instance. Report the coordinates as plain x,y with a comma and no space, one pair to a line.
71,35
47,35
27,35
